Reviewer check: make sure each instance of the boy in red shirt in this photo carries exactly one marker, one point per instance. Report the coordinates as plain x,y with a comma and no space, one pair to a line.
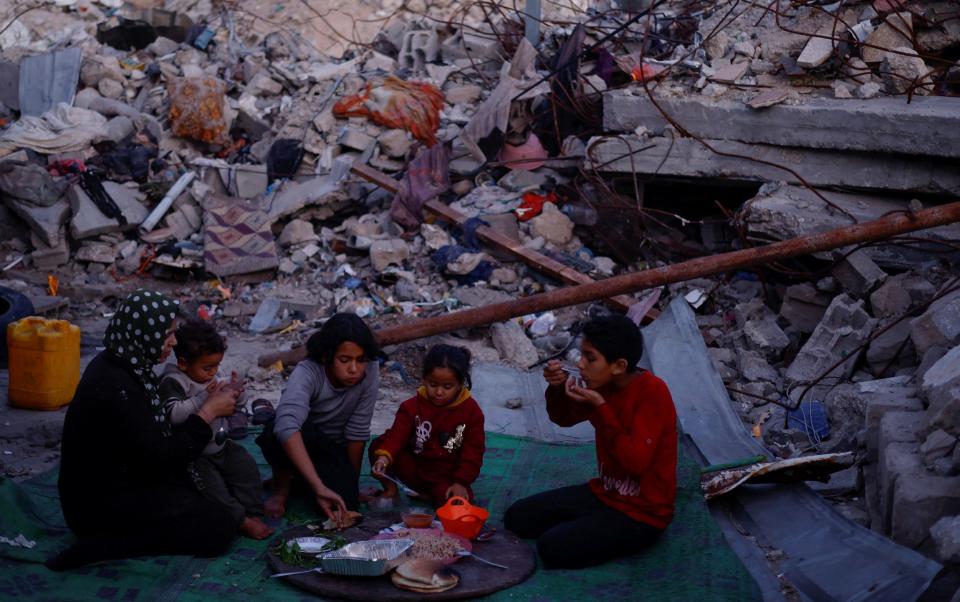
629,504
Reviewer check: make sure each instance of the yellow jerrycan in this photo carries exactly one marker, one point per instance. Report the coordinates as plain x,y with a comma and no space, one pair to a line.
44,363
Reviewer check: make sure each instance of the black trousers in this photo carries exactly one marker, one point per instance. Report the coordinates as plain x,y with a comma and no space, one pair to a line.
329,458
230,477
574,529
166,520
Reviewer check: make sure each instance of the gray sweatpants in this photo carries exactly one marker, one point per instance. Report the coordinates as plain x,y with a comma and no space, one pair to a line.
231,478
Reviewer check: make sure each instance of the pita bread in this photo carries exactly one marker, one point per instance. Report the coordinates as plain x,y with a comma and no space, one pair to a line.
414,586
352,519
424,575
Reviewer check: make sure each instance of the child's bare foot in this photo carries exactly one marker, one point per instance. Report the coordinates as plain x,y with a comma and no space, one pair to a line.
276,505
254,528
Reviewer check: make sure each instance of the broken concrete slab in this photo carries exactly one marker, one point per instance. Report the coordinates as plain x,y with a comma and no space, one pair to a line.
946,537
250,180
10,84
939,325
896,30
902,427
947,417
938,444
553,225
892,345
688,158
919,501
724,362
119,128
941,381
803,306
896,460
729,74
30,182
858,273
879,405
88,221
899,293
296,232
46,222
355,139
904,71
844,482
47,257
819,48
845,326
395,143
754,368
386,253
476,296
513,345
97,252
785,212
766,337
291,197
751,309
884,125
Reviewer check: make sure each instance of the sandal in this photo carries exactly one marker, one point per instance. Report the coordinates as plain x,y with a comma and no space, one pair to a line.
237,425
263,411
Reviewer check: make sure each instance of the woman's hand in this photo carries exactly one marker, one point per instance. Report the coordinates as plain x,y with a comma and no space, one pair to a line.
221,401
379,467
331,504
456,490
554,374
583,395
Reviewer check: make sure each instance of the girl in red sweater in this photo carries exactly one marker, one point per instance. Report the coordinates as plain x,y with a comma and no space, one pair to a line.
436,443
626,507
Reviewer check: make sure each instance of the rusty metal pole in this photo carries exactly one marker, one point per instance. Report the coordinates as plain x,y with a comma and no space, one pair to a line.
880,229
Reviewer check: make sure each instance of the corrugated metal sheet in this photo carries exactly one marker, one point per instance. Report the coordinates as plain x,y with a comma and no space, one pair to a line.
828,557
49,79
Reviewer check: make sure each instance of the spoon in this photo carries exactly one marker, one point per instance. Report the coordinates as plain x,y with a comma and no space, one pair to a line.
466,553
577,379
398,483
313,570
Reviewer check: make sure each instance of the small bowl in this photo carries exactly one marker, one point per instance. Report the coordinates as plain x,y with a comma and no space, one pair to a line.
417,518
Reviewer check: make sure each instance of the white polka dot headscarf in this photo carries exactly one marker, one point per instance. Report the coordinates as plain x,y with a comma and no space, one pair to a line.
136,334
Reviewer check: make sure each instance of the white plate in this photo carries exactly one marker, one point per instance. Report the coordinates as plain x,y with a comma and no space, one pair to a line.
311,545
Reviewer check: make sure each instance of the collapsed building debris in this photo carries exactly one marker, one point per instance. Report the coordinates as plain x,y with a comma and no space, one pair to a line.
763,164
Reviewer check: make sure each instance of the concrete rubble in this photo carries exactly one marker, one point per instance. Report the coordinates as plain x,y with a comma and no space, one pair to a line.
692,134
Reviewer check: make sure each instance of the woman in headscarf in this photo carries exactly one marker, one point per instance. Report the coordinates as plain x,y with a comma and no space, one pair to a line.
123,474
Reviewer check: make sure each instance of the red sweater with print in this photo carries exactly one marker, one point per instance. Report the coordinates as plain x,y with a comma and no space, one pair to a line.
636,446
447,440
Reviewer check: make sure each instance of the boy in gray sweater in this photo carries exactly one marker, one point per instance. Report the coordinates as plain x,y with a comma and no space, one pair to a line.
225,472
322,424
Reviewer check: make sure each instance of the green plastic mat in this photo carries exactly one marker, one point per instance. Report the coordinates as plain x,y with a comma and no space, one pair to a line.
690,562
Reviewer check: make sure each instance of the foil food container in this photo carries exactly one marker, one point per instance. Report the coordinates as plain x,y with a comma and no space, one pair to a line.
366,558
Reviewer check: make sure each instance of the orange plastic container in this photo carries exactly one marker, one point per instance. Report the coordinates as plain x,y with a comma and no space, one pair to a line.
461,518
44,363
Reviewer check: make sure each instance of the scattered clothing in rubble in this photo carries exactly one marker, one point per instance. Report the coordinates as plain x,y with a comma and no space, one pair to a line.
60,130
395,103
427,177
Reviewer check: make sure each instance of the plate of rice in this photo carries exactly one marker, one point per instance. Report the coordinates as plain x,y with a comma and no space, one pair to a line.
432,544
